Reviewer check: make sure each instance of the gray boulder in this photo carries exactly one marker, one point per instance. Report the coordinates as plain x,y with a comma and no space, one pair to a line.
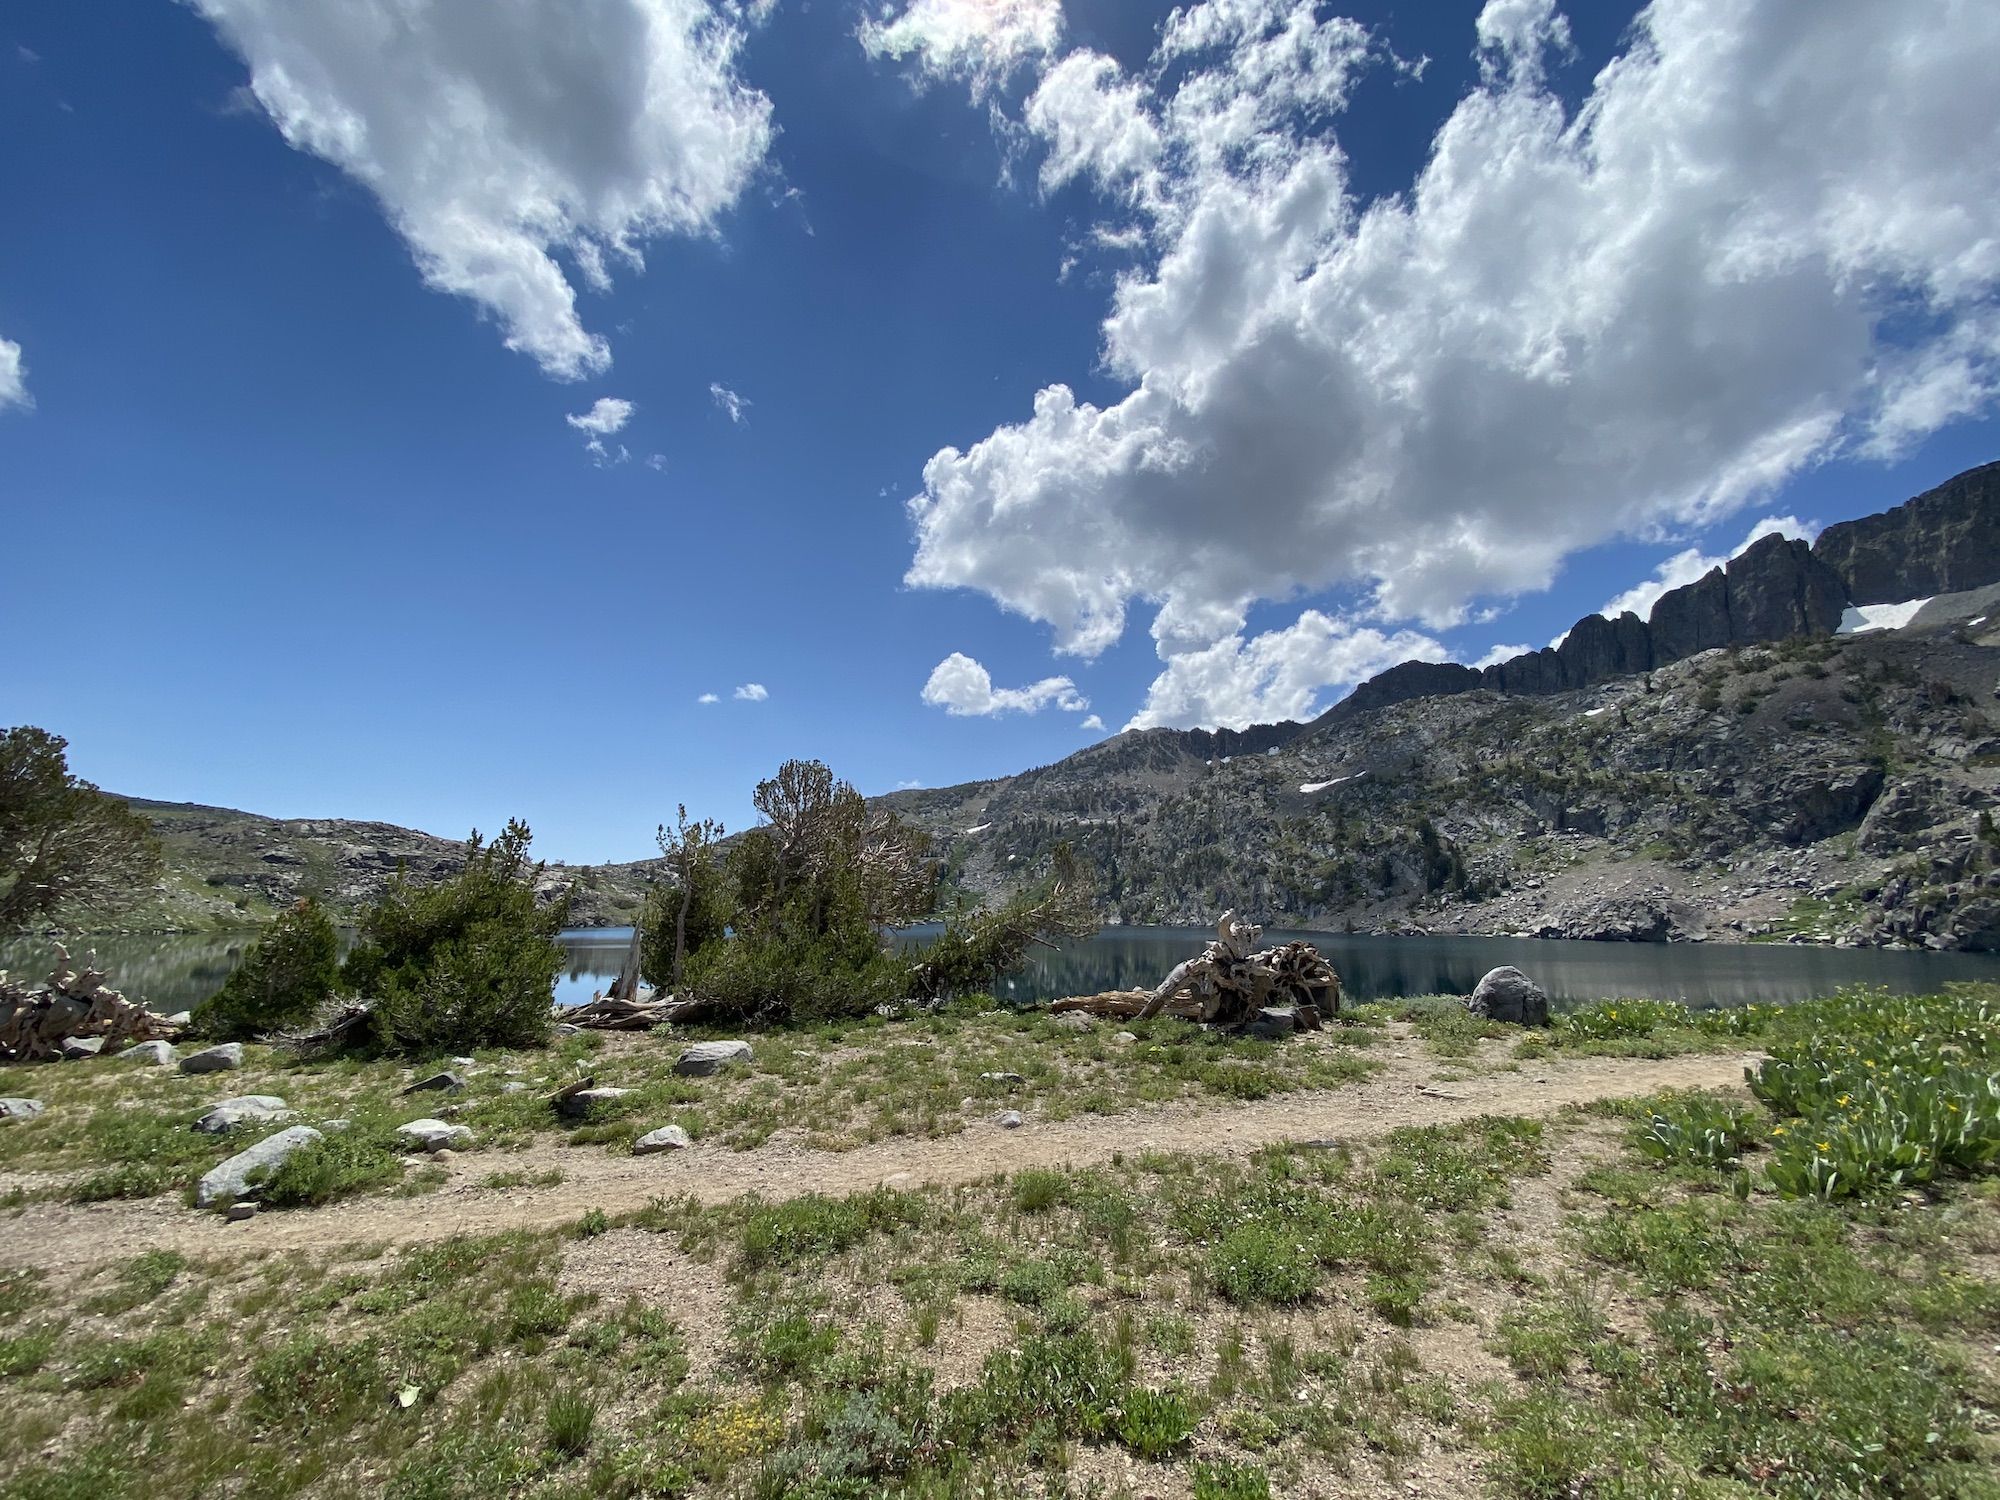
20,1109
231,1179
1009,1119
706,1058
437,1083
219,1059
152,1054
77,1047
1273,1024
666,1138
1506,994
244,1109
434,1135
583,1101
1006,1080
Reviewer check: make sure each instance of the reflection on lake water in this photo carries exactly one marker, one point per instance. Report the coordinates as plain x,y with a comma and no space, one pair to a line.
175,971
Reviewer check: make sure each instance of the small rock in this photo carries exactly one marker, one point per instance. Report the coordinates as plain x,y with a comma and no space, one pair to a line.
438,1083
20,1109
462,1062
705,1058
1073,1020
1506,994
434,1135
1125,1038
1010,1080
245,1109
666,1138
220,1059
336,1125
1009,1119
580,1103
74,1047
230,1180
516,1087
566,1029
444,1153
1273,1024
238,1212
152,1054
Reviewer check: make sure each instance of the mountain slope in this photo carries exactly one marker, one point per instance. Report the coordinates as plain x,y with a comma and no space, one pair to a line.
226,868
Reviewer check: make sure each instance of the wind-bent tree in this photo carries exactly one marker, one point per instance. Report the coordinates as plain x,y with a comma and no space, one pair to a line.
65,846
686,914
797,922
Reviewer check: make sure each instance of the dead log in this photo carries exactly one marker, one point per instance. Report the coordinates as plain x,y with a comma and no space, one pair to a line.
35,1022
1230,981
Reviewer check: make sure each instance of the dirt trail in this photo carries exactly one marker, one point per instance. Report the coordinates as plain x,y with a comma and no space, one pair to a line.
58,1236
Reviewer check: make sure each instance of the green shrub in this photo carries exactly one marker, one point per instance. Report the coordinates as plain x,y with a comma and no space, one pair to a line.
1227,1481
1258,1263
1697,1130
1154,1423
338,1165
571,1417
469,961
286,978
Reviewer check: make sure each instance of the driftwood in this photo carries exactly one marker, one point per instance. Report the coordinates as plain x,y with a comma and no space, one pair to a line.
34,1023
1229,982
610,1013
336,1029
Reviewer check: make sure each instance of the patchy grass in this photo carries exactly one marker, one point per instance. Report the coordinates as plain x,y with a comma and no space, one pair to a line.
1621,1301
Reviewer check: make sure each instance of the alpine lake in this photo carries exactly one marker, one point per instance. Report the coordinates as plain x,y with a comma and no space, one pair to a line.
175,971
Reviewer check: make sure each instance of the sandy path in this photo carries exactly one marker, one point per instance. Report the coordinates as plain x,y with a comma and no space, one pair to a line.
59,1236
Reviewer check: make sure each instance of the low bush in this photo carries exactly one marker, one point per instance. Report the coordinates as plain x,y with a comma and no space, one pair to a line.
469,961
285,980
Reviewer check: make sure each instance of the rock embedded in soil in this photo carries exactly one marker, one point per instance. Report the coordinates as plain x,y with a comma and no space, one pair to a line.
20,1109
1008,1080
1506,994
244,1109
152,1054
1009,1119
230,1180
434,1135
706,1058
580,1103
76,1047
666,1138
238,1212
437,1083
219,1059
1273,1024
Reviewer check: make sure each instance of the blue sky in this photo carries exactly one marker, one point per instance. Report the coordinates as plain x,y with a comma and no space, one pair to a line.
286,368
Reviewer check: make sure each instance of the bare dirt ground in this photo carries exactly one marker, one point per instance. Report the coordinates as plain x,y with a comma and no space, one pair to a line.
58,1236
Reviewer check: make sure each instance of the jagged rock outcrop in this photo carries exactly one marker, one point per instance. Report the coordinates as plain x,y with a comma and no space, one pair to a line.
1945,540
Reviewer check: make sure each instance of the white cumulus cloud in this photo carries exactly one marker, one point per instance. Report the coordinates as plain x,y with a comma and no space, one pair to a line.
1692,563
1092,722
13,377
1501,653
752,692
963,688
1761,238
503,139
1276,676
709,698
980,41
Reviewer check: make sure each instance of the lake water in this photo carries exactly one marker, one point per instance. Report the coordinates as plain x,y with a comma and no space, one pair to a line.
175,971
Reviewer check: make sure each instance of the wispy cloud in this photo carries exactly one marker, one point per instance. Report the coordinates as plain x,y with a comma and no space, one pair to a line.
607,417
13,377
729,401
752,692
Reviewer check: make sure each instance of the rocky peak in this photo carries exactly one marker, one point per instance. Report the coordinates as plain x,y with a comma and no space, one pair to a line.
1944,541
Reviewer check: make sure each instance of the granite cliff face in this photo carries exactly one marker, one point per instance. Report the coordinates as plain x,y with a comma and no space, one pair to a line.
1945,541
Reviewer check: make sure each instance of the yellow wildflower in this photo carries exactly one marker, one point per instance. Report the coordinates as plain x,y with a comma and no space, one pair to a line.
1821,1145
1779,1131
